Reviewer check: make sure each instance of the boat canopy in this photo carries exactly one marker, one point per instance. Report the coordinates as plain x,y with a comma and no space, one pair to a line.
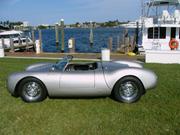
163,2
11,32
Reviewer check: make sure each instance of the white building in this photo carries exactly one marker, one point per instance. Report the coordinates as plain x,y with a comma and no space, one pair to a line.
25,24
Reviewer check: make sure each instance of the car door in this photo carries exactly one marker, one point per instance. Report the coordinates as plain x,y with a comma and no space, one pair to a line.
77,83
78,79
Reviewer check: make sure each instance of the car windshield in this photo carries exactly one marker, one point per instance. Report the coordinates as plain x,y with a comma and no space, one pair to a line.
62,63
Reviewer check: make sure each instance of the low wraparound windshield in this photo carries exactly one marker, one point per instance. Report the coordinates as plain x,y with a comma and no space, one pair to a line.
62,63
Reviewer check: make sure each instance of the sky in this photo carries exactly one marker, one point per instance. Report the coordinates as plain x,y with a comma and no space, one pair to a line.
52,11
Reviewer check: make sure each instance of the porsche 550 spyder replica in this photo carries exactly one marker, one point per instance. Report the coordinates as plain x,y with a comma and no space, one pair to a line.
125,81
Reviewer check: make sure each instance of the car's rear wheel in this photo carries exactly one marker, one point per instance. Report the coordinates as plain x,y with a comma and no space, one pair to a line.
32,90
128,90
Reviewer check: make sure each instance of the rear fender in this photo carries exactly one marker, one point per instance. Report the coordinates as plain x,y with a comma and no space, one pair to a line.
147,77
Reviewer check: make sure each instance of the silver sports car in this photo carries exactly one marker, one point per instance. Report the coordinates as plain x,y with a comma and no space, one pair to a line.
125,81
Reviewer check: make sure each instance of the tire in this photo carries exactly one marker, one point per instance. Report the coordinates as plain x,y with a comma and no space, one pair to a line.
128,90
32,90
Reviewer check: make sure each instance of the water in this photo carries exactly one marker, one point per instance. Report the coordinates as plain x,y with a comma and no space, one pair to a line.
81,36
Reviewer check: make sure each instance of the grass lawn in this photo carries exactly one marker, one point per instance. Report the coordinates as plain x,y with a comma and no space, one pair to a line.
157,113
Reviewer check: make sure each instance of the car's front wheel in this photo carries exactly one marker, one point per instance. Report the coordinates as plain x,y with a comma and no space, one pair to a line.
32,90
128,90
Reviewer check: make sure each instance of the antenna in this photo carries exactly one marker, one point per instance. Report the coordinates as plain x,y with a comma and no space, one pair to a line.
142,8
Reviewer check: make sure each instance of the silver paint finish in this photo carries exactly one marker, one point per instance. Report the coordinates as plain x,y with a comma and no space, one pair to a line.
136,64
98,82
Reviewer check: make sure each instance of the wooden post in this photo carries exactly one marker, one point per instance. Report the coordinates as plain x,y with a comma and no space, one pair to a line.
118,43
110,43
33,39
91,36
3,46
11,45
126,41
122,41
40,40
19,40
57,35
62,35
132,43
71,45
125,33
137,32
27,44
33,36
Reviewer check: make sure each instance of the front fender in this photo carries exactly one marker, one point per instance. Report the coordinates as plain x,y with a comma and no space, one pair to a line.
49,79
13,80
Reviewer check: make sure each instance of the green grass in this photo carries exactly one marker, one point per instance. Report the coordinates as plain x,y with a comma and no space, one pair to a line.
157,113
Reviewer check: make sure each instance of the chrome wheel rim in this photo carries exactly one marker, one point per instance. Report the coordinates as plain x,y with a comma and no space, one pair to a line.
128,90
32,90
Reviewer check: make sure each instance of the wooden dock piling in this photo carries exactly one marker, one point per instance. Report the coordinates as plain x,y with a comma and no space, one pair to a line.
27,44
40,40
126,43
137,32
3,46
33,39
110,43
71,45
91,36
132,43
11,45
57,35
19,41
62,35
118,43
33,36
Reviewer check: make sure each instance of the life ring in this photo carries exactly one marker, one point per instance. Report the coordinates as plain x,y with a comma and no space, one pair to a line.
173,44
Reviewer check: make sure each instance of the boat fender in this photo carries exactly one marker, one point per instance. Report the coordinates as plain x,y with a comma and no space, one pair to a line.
173,44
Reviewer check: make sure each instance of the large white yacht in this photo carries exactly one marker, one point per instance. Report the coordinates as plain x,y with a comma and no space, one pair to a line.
160,25
132,24
18,38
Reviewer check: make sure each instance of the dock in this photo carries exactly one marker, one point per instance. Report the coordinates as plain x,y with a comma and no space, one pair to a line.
78,56
15,48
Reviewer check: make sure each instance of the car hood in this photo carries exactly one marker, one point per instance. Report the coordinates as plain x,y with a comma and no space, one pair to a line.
42,67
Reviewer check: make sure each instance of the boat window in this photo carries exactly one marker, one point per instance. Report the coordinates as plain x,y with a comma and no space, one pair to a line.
173,33
4,36
15,35
162,32
157,32
150,33
8,36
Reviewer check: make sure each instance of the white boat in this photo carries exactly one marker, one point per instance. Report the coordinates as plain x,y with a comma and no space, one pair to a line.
160,35
18,39
160,28
132,24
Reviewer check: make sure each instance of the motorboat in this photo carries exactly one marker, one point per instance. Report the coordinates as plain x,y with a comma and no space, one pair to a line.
161,26
15,38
